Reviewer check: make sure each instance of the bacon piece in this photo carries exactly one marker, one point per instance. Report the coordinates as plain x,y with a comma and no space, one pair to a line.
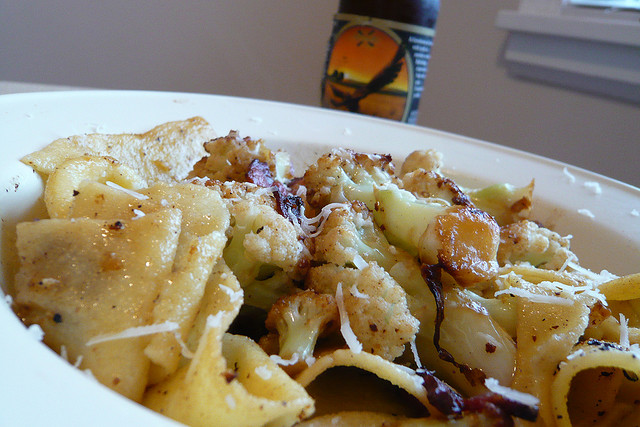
288,205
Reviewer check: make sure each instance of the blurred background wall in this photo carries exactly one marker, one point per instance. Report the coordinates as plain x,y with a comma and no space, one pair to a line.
275,50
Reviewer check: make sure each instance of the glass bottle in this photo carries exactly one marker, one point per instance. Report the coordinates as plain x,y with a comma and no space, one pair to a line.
378,56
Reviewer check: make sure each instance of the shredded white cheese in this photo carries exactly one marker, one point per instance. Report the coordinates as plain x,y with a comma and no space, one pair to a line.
359,262
414,350
90,374
493,385
198,180
545,299
356,293
577,353
594,187
569,175
635,212
184,350
78,362
587,213
215,320
345,326
230,401
285,362
36,331
588,289
624,331
309,224
63,352
263,372
139,214
135,331
233,295
126,190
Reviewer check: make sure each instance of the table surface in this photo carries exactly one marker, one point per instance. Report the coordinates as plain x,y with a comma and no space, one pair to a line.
7,87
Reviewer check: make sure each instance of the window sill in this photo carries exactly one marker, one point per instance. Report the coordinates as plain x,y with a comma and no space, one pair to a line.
593,54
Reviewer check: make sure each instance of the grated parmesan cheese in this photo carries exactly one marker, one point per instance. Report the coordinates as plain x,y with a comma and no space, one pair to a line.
624,331
139,214
184,350
135,331
569,175
345,327
414,350
215,320
587,213
594,187
527,399
309,224
359,262
230,401
356,293
577,353
78,361
36,331
545,299
198,180
126,190
263,372
310,361
233,295
285,362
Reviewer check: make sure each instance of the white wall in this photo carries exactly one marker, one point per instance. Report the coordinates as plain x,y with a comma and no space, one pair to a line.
275,49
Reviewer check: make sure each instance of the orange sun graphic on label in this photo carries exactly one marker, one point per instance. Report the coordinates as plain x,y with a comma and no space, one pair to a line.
367,73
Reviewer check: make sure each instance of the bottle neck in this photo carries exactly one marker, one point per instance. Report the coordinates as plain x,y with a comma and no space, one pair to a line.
417,12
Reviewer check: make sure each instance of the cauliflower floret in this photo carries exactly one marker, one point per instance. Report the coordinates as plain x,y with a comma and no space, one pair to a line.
299,320
343,175
375,305
349,237
229,158
266,251
525,241
427,184
427,160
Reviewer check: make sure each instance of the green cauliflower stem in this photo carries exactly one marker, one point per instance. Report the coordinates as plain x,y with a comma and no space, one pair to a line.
375,304
343,175
349,232
462,239
505,202
525,241
266,252
299,320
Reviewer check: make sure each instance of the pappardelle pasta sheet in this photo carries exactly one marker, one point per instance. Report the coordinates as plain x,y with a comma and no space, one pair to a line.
204,278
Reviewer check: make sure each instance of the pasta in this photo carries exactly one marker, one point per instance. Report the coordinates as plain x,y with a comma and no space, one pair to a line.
216,288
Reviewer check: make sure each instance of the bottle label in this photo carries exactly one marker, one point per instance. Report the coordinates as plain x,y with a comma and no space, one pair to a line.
376,67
